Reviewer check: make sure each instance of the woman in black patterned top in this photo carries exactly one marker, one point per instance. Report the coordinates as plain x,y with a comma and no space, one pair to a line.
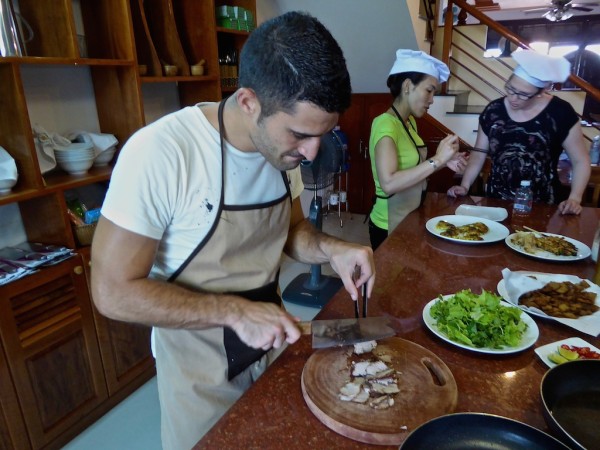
524,134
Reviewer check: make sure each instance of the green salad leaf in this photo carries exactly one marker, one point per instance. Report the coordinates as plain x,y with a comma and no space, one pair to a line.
478,320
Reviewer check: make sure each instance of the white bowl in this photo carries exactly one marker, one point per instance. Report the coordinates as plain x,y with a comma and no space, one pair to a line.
76,158
76,167
79,151
8,172
74,153
105,157
75,146
75,150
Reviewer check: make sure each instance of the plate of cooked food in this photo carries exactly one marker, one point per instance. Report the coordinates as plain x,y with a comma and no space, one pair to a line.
547,246
481,323
466,229
568,299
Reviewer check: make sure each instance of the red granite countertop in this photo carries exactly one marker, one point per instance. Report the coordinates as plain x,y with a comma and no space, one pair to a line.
413,267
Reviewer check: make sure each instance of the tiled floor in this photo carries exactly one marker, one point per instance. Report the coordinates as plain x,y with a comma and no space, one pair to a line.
134,424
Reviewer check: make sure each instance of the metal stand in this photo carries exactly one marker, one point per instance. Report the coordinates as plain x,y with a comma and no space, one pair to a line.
312,289
339,197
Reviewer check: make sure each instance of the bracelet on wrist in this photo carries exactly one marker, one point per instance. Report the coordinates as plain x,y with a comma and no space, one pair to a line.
433,163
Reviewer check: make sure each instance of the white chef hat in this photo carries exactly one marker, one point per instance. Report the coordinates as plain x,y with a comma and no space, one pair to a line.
541,70
418,61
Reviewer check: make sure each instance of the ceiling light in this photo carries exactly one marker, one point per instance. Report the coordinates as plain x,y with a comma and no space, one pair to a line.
557,15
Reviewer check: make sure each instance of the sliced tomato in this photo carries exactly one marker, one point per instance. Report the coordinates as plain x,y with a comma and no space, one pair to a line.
584,352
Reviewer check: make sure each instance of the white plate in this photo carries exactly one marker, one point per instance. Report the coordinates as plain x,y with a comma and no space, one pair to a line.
544,278
583,251
497,232
485,212
528,339
546,350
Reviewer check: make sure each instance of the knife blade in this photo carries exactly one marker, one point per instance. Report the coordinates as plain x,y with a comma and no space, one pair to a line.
340,332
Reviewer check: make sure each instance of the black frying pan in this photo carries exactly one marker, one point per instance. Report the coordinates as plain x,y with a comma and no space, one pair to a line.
571,397
469,431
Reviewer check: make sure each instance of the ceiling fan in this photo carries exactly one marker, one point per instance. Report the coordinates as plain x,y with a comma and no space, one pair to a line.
561,9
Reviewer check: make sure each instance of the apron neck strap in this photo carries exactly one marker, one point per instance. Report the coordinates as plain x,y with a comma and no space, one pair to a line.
407,131
221,126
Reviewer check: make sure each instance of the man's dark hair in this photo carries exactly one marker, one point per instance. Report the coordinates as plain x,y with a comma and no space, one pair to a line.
394,82
293,58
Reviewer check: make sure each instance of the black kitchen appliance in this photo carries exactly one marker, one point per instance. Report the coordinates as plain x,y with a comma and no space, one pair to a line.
313,288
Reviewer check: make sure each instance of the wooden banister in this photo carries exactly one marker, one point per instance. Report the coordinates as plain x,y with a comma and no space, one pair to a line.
503,31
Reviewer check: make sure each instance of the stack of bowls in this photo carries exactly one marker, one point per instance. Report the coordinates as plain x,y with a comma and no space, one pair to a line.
104,157
75,158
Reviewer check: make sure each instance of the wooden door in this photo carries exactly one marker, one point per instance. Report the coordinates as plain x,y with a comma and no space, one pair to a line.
356,124
47,330
125,348
350,123
13,434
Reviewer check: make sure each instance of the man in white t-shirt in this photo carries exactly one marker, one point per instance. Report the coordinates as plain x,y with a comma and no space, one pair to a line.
200,207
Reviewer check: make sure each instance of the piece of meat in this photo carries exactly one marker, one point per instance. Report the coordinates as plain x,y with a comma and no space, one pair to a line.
364,347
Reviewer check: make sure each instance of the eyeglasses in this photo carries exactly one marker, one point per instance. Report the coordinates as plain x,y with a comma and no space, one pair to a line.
520,95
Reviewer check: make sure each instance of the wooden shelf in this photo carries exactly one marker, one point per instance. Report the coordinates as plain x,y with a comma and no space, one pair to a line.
178,79
59,180
232,31
228,90
65,61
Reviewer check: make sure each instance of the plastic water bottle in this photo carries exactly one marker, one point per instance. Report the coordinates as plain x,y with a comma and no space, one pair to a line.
596,245
595,150
523,198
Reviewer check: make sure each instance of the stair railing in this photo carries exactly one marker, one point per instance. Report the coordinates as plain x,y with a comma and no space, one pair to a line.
449,44
430,19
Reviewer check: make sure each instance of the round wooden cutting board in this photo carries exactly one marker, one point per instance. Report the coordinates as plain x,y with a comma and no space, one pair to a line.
427,390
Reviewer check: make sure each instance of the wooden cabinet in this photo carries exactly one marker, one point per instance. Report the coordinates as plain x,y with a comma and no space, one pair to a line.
13,434
230,43
124,347
62,364
184,32
125,352
47,330
356,124
111,64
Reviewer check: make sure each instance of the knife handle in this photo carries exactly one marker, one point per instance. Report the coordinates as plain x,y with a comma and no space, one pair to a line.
305,327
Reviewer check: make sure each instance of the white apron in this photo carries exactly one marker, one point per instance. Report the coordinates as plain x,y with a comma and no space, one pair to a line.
201,373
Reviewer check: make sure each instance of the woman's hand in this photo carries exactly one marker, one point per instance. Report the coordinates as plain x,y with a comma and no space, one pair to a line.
457,191
570,206
458,163
447,149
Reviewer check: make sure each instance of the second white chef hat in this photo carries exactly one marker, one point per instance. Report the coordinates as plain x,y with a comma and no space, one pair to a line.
541,70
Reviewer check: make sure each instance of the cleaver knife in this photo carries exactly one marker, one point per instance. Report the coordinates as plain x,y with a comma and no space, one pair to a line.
339,332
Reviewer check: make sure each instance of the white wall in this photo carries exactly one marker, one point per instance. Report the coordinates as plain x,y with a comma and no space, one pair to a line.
368,31
419,25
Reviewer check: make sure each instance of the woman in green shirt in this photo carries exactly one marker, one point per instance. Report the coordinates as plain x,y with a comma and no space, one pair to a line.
398,155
